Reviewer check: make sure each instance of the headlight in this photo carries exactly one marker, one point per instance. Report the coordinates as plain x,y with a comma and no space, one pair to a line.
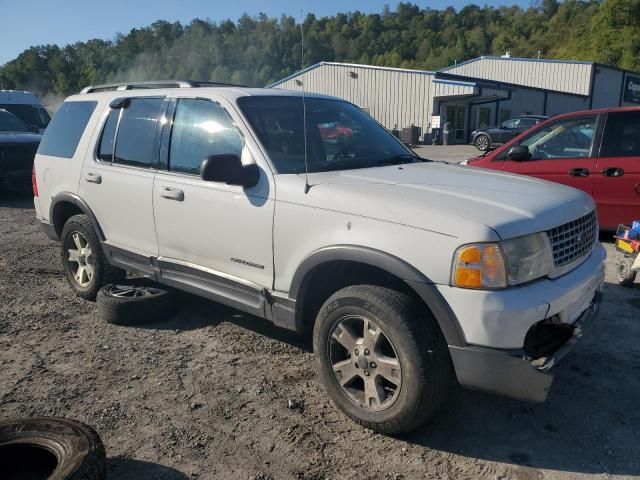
499,264
528,257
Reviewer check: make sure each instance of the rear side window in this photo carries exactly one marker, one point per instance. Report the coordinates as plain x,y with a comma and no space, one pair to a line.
61,137
201,128
29,114
105,148
621,135
135,144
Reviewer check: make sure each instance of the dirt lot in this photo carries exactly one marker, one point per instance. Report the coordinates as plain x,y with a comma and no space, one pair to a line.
205,394
448,153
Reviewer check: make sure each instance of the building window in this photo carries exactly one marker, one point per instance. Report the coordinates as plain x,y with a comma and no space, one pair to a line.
484,117
504,116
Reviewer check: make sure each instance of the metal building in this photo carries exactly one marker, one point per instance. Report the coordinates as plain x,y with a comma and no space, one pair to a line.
474,94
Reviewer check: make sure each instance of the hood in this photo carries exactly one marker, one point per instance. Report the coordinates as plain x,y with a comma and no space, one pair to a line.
19,138
444,198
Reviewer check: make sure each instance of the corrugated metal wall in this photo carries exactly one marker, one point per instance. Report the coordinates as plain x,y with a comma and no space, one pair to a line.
395,98
606,88
569,77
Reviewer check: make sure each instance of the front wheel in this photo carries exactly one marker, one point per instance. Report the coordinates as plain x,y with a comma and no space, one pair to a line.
482,143
84,262
381,358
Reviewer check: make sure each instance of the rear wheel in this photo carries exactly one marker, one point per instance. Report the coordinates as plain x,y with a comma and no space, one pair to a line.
84,262
381,358
482,143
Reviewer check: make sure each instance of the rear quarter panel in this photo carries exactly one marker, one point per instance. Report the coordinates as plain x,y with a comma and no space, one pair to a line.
57,174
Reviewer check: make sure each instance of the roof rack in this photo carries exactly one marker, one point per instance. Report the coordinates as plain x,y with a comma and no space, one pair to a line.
154,84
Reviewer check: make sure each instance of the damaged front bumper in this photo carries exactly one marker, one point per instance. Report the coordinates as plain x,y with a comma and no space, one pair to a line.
513,372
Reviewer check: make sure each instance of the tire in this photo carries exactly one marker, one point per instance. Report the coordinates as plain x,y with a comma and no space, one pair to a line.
626,277
51,449
482,143
409,363
80,229
134,302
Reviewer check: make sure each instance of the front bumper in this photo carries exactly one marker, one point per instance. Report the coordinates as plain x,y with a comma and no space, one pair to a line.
514,336
509,372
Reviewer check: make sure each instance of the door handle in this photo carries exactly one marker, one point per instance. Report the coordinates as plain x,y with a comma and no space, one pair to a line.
172,194
579,172
613,172
93,178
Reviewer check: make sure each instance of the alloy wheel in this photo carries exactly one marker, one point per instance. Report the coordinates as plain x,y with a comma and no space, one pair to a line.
482,143
81,259
131,291
365,363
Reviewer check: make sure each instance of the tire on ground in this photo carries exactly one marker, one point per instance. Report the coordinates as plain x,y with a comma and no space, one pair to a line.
427,371
625,275
158,303
51,448
103,271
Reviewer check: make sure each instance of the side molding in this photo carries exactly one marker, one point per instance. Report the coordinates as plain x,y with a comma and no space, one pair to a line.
415,279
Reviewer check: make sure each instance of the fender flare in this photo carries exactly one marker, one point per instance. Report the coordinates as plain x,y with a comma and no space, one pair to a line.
68,197
397,267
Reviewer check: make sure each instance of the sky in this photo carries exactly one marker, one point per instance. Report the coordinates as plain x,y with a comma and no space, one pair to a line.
24,23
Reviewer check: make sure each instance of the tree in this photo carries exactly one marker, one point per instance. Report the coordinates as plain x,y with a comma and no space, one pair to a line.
260,50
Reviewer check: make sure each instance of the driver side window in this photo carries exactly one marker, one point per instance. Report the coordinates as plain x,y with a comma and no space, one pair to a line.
201,128
511,124
569,138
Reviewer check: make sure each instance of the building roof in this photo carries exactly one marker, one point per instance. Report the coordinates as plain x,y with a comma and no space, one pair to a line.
564,76
352,65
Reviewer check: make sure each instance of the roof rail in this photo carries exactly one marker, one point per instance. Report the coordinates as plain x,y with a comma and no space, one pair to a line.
154,84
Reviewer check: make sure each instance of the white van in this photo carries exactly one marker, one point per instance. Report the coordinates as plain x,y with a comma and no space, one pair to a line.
27,107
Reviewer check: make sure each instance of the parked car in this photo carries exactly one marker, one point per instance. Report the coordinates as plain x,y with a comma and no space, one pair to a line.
18,145
485,139
27,107
335,131
411,274
597,151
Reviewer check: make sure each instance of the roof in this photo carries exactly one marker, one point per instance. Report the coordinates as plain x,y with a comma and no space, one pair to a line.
516,59
19,97
230,93
562,76
352,65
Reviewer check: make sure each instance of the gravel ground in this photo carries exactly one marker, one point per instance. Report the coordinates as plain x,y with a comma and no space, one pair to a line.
206,394
448,153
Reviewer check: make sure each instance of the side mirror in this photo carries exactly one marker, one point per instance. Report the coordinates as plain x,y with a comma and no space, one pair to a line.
228,168
519,154
34,128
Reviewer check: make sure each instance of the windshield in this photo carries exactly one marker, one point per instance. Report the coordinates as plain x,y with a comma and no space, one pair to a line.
29,114
340,136
11,123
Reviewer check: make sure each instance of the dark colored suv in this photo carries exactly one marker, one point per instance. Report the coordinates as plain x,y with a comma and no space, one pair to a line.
486,138
18,145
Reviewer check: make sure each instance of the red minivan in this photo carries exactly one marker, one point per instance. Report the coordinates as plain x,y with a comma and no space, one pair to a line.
597,151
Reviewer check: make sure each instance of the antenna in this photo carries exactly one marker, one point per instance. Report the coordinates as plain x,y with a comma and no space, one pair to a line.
307,187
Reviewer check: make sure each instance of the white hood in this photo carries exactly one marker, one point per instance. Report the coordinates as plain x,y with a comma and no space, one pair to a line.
420,194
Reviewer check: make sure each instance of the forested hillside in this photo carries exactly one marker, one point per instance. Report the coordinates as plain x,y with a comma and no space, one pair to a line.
259,50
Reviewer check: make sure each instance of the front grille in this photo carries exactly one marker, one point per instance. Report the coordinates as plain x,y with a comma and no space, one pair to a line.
573,240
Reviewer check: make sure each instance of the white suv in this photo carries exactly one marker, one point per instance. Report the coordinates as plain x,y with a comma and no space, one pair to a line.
306,212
